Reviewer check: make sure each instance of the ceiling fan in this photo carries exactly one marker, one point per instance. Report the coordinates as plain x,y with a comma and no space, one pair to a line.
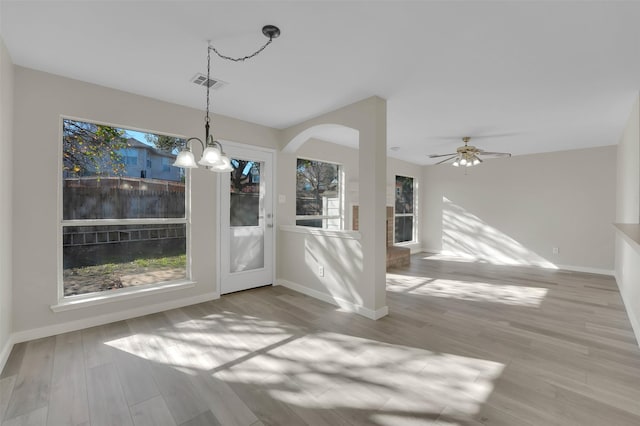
468,155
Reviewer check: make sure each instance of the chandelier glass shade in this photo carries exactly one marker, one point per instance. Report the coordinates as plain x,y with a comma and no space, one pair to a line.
213,157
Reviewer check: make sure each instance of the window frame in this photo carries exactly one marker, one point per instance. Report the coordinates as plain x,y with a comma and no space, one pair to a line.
166,165
127,158
90,299
324,218
412,215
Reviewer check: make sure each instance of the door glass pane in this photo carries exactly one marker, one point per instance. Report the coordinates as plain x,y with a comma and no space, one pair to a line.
246,216
245,193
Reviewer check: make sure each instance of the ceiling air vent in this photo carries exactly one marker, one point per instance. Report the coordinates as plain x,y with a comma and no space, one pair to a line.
201,80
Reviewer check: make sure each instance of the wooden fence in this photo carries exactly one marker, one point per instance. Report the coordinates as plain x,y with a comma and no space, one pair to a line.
120,203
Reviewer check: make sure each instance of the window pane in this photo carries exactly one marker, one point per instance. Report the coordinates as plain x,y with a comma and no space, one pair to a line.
404,229
314,223
111,173
318,193
99,258
245,193
404,194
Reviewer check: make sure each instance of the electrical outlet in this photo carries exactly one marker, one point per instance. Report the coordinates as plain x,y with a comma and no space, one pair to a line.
556,250
321,271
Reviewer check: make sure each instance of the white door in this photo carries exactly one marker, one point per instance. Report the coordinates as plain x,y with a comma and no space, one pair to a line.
246,220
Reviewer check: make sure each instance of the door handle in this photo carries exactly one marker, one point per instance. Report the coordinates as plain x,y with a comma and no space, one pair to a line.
269,225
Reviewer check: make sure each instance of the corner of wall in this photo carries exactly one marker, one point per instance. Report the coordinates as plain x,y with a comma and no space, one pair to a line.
6,203
627,257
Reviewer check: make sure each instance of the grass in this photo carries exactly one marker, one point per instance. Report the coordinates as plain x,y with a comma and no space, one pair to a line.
179,261
163,262
109,276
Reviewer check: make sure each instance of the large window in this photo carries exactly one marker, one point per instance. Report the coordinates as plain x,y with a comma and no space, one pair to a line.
318,199
404,211
118,229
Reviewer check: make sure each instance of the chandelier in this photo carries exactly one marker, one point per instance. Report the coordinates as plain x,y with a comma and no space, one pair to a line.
213,156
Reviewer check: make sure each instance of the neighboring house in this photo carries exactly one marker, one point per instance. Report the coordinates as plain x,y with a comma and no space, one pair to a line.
145,161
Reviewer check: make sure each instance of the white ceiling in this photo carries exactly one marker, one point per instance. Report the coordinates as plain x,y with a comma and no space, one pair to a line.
547,76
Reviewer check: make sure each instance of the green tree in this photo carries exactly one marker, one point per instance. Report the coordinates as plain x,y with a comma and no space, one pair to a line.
313,180
92,149
239,179
164,143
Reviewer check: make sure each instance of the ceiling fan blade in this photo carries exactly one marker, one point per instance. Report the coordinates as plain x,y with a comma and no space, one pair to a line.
441,155
474,135
446,159
503,154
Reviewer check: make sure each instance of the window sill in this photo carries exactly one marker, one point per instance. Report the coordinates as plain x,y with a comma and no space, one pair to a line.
351,235
630,232
118,295
407,243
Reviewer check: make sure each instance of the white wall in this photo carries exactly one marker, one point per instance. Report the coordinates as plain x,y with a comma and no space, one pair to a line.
338,253
367,120
515,210
6,191
628,170
40,100
627,252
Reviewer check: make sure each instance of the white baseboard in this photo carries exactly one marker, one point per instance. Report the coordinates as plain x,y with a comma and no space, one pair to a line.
6,351
635,322
374,315
52,330
588,270
344,304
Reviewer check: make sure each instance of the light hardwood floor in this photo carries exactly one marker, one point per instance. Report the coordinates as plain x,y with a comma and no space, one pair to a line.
465,343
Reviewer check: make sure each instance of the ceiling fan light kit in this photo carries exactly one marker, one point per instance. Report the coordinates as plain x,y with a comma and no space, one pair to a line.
467,155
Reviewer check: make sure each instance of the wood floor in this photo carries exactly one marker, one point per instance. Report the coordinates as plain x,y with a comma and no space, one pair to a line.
464,343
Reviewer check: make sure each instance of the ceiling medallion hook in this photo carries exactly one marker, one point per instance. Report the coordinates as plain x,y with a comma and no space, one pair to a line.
271,31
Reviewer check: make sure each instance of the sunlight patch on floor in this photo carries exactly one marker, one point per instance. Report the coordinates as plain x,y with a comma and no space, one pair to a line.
464,290
374,381
334,371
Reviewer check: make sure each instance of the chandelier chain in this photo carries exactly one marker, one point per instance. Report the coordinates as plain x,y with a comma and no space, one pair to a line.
207,119
213,156
243,58
229,58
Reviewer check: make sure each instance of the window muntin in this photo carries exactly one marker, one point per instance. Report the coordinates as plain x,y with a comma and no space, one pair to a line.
318,194
404,215
118,229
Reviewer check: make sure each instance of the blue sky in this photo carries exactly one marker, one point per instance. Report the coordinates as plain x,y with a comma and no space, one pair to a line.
137,135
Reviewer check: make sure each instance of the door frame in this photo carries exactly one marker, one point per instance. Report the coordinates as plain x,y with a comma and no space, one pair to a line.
218,210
